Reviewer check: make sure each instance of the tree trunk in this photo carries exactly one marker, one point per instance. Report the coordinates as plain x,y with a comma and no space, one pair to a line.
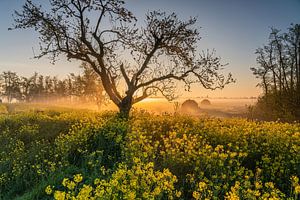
298,70
274,80
125,107
292,76
265,84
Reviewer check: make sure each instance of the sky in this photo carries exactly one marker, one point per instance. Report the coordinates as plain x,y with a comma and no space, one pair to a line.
234,28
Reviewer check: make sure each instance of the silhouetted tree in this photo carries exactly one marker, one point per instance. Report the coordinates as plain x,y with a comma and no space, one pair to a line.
103,33
38,88
49,90
279,71
10,83
25,88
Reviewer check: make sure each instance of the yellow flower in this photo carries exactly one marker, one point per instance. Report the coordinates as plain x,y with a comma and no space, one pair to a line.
78,178
297,189
202,186
65,182
177,194
71,185
232,195
59,195
146,195
48,190
131,195
257,193
114,183
294,180
156,191
269,185
96,181
257,185
85,192
196,195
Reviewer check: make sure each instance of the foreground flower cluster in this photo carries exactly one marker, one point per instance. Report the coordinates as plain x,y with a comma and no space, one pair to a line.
73,155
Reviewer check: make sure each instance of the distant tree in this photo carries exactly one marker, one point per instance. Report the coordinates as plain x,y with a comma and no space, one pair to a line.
39,88
61,89
25,88
93,89
34,88
10,83
279,70
103,33
49,90
87,86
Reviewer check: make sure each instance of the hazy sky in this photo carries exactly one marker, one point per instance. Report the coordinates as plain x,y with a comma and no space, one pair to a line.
235,28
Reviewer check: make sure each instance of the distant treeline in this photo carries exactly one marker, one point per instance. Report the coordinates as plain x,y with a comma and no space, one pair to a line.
279,71
85,87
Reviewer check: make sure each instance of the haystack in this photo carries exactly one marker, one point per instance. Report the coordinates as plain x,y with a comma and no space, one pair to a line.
190,106
205,102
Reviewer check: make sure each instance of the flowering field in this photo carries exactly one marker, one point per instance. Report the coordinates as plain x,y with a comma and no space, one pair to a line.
86,155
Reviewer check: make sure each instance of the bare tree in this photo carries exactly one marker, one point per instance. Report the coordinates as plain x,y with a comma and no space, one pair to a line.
279,70
148,60
279,61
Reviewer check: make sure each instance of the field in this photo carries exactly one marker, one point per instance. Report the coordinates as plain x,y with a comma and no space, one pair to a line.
79,154
221,108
